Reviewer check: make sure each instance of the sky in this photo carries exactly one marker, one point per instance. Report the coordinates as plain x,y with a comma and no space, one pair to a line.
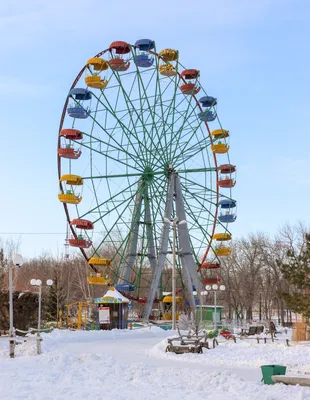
252,56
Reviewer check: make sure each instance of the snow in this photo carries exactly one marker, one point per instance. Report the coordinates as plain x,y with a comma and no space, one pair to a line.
132,364
113,294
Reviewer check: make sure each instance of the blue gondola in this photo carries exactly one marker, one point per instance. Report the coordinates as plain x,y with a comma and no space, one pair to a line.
145,44
208,101
143,60
228,218
77,112
80,94
227,203
207,116
124,287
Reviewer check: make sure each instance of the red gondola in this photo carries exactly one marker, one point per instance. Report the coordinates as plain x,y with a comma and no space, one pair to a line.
210,265
190,73
82,223
69,152
211,280
226,169
80,242
72,134
119,64
120,47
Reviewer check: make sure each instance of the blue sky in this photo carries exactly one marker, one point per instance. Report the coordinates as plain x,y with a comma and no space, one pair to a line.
252,56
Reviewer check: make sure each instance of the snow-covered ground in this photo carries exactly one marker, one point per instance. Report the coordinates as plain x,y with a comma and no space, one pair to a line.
127,365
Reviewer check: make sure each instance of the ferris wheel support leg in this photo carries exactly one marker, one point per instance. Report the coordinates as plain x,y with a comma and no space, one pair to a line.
162,250
150,237
186,254
133,239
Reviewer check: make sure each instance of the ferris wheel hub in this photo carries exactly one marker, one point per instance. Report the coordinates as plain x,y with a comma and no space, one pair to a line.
148,174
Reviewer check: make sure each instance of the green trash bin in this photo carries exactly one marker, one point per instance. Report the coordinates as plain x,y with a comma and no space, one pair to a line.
269,370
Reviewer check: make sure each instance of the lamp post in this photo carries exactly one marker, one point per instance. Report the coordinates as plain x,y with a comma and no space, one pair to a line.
215,288
173,225
17,261
38,282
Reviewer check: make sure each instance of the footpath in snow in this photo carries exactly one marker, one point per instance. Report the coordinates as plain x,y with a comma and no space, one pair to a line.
127,365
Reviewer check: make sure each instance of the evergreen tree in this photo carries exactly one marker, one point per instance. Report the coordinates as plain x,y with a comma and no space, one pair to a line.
296,270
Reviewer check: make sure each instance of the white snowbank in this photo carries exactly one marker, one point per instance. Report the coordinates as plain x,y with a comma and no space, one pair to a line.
127,365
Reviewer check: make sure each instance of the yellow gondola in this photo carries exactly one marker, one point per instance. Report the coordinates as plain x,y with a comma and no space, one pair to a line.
71,179
220,148
95,81
168,299
169,54
222,236
69,198
98,64
220,133
100,261
168,317
98,280
222,251
167,70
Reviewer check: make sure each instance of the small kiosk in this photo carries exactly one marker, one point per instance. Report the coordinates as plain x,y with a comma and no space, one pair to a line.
112,310
205,315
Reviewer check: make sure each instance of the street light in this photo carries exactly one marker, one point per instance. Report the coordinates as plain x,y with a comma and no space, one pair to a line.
38,282
215,288
173,225
17,261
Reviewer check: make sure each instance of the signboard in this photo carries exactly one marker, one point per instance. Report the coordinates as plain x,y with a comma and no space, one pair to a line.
104,315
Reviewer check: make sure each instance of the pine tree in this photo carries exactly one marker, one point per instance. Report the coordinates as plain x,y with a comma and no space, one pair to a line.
296,270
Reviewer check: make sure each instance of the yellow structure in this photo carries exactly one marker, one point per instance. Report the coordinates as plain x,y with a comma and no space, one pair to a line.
222,236
81,319
168,317
169,54
71,179
222,251
168,299
98,280
167,70
95,81
220,133
106,262
69,198
220,148
98,64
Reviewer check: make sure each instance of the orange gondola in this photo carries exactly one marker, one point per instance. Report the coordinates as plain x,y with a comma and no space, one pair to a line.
226,183
189,88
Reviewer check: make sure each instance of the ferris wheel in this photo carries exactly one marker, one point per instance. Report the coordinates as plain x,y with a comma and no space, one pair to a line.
135,155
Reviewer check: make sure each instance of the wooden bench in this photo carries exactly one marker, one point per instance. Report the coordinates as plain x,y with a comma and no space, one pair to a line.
184,349
292,380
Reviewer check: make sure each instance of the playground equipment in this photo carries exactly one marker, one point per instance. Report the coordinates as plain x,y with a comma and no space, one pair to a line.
139,141
80,317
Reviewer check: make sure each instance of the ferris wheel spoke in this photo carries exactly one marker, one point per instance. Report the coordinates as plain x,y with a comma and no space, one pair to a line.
106,153
128,102
119,218
177,136
150,114
124,128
